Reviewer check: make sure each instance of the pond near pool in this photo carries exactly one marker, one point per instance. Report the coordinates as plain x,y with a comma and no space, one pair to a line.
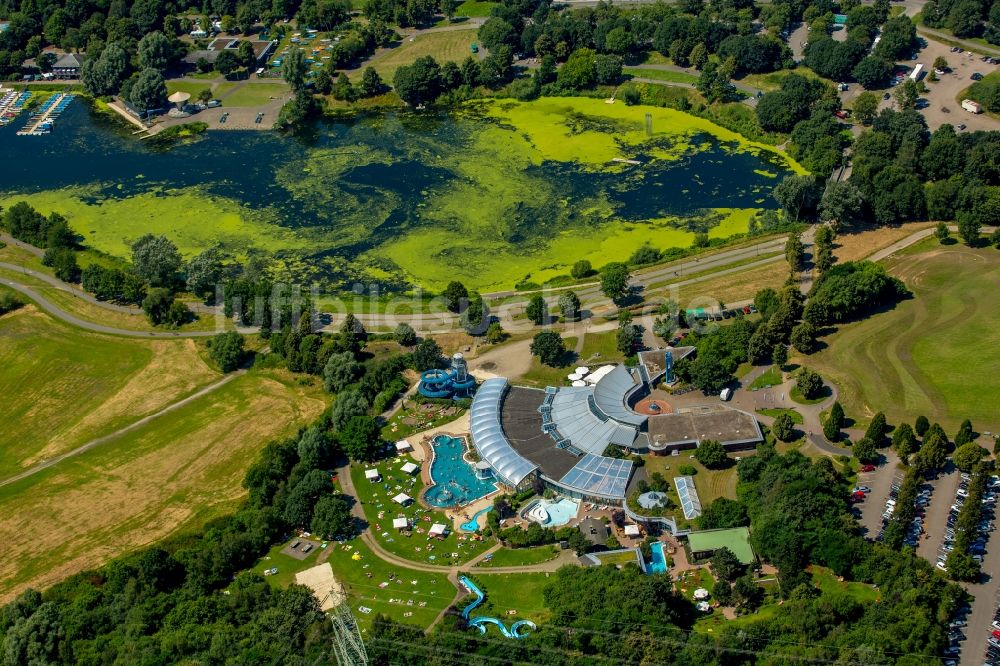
494,194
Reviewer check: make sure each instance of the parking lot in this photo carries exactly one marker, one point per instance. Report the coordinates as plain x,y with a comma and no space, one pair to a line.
939,104
879,481
937,512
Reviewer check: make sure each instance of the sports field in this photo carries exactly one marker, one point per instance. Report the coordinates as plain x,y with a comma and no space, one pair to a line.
453,45
177,470
74,386
931,355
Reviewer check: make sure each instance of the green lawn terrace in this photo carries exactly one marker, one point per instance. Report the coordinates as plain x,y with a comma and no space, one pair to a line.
494,193
404,595
414,544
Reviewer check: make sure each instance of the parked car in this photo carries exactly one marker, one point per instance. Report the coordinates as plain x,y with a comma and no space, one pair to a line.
867,468
976,76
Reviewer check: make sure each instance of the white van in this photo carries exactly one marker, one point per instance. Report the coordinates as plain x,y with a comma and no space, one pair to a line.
726,394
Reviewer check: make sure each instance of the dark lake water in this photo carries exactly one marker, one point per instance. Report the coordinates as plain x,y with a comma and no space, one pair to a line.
348,188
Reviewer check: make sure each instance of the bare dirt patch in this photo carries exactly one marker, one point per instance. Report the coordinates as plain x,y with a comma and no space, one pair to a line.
854,246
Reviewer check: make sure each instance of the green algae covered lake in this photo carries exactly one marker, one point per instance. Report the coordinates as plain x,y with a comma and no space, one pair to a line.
493,194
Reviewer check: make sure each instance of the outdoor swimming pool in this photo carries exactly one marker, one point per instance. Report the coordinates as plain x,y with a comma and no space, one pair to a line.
658,559
553,514
455,481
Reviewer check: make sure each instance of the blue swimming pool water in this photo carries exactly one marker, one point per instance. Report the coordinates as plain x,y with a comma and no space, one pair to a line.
473,524
455,481
658,559
560,511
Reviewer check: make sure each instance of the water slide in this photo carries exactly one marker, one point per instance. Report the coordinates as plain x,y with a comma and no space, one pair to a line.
517,630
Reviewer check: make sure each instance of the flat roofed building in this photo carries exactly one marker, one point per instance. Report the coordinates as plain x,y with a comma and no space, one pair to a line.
686,428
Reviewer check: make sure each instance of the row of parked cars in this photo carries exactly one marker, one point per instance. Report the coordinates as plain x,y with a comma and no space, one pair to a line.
978,547
916,527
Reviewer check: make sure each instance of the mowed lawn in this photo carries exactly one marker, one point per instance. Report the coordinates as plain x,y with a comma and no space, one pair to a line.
453,45
661,75
935,354
249,93
177,471
68,386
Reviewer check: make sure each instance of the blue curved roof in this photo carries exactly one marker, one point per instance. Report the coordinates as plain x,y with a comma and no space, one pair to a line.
611,392
488,436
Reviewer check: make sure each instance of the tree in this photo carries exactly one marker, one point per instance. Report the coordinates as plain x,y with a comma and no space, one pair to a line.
864,450
579,70
228,62
698,56
420,83
495,334
809,383
537,310
155,259
301,500
475,317
105,74
63,263
226,349
904,443
711,454
349,403
405,335
157,304
842,203
332,517
725,565
965,433
941,63
795,253
783,427
921,425
933,454
204,272
722,513
293,68
865,108
360,438
426,355
614,281
715,81
834,422
454,295
628,337
708,373
797,195
779,354
371,83
969,228
155,51
877,429
569,305
581,269
38,638
314,448
906,95
549,348
145,91
941,232
803,338
340,371
872,72
968,455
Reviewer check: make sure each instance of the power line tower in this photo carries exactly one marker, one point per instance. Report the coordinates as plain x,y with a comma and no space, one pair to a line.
348,647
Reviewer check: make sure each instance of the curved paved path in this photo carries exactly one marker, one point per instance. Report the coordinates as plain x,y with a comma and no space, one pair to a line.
94,443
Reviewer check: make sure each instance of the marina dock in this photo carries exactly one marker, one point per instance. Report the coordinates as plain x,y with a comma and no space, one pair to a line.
41,121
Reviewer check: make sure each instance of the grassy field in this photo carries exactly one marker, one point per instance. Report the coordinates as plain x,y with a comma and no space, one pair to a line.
661,75
475,8
977,92
710,483
513,557
770,378
521,592
929,355
380,510
249,94
175,472
363,581
74,385
193,88
453,45
772,81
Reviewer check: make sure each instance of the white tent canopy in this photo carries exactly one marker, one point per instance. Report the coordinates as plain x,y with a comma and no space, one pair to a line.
596,375
372,474
582,370
437,529
409,468
632,530
402,498
403,445
400,523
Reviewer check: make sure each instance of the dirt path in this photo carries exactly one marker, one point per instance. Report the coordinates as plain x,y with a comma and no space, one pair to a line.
94,443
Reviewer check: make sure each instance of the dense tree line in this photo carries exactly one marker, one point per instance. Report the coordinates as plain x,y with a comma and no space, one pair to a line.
965,18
